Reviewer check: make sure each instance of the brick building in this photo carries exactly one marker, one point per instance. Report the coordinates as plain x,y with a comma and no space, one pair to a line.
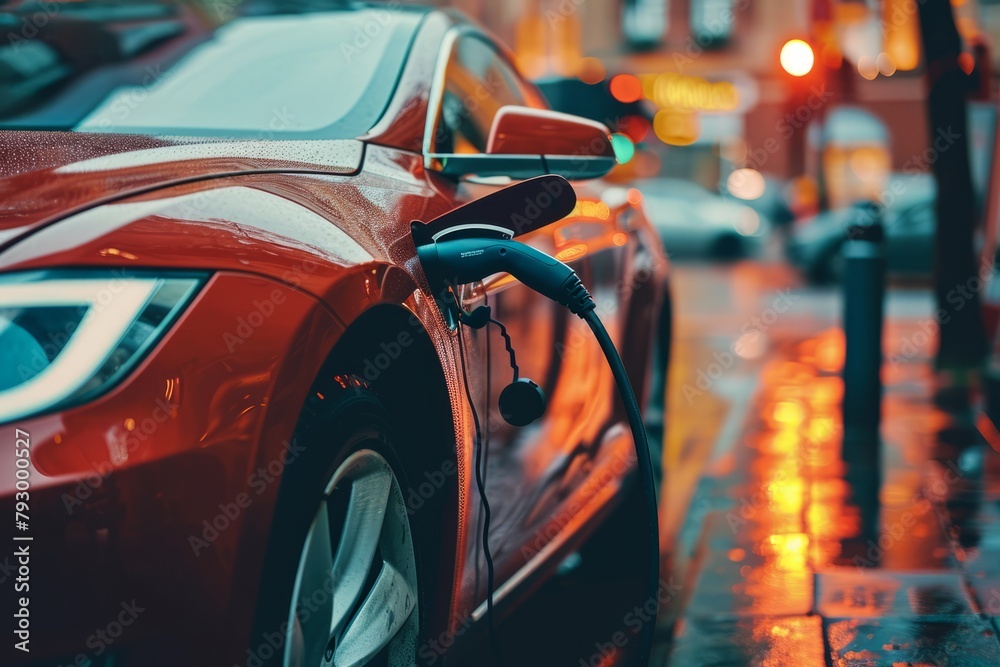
867,57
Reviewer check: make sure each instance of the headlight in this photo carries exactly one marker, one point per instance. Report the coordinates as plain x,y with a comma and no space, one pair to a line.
67,337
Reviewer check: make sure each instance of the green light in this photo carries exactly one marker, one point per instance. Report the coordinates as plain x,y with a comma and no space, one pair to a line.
624,148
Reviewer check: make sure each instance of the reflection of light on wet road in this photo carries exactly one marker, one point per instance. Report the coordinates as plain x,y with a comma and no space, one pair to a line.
893,565
789,551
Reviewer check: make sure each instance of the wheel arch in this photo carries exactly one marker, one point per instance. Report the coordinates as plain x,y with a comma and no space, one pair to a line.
388,350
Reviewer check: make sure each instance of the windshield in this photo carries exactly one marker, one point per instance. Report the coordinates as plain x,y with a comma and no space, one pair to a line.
159,69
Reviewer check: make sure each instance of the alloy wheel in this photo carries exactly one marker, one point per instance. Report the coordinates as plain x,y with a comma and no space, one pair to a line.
355,596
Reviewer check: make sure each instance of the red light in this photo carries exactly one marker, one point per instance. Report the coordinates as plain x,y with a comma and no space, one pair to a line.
634,127
626,88
967,62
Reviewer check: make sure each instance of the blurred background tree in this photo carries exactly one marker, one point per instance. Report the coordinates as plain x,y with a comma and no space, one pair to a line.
962,343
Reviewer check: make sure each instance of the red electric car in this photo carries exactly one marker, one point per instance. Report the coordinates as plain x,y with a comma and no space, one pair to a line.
236,428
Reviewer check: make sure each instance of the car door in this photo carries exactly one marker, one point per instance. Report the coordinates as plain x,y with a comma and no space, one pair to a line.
529,471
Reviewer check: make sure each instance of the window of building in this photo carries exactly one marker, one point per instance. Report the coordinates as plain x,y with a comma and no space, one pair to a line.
712,22
644,22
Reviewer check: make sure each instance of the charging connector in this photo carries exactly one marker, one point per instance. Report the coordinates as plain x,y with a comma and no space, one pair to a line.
467,260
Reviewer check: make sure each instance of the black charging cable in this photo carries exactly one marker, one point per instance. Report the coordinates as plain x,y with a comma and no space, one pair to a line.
482,316
589,315
481,487
467,260
477,319
510,347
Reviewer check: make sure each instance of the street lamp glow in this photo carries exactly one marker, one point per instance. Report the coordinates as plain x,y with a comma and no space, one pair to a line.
797,57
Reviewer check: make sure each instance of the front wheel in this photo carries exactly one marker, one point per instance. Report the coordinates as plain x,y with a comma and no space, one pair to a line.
341,581
360,549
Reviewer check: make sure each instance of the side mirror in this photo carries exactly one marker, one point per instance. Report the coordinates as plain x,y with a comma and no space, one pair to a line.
525,142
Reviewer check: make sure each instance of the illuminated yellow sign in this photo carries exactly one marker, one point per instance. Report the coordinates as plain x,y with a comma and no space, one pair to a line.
588,208
677,128
670,90
572,252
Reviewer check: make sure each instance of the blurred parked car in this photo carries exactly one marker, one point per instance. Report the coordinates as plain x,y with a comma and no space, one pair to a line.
694,222
763,193
908,217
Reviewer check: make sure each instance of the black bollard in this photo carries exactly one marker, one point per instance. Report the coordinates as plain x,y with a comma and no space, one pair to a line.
864,296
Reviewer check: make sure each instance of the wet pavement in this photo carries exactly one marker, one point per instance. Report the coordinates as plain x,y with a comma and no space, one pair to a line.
784,553
777,553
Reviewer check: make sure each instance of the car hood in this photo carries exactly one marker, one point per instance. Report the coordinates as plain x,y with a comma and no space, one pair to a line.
46,176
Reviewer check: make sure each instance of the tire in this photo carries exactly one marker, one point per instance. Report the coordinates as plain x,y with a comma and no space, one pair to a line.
348,474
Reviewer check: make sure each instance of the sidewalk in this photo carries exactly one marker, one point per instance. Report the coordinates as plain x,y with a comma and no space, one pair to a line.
791,563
